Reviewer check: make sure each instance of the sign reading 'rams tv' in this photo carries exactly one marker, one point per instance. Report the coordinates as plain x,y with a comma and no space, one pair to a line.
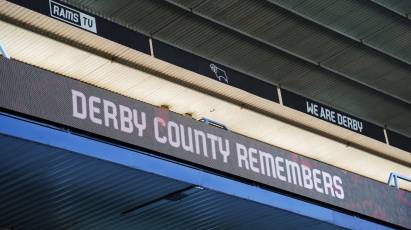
87,21
331,115
73,16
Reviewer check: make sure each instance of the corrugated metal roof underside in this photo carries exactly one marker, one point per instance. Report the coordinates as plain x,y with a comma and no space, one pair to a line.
42,187
402,7
362,21
368,79
375,23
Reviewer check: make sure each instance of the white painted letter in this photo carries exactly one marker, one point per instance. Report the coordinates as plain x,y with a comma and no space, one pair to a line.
83,104
280,168
225,152
187,147
94,110
213,138
339,191
308,181
173,134
110,115
317,181
242,155
140,125
126,117
159,121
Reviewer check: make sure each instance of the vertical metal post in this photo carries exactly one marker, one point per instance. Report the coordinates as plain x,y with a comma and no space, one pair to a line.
389,180
395,181
280,96
387,141
150,42
3,51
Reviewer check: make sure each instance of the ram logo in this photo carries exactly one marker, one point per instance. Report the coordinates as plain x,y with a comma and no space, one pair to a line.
219,73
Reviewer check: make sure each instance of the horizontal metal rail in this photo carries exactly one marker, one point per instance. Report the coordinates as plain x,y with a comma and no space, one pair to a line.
394,177
213,123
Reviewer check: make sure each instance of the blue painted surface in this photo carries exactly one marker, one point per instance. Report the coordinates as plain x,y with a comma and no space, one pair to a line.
27,130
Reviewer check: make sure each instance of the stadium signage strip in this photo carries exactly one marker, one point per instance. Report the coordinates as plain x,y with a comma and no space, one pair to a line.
132,39
399,141
72,16
45,95
331,115
202,66
214,71
89,22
